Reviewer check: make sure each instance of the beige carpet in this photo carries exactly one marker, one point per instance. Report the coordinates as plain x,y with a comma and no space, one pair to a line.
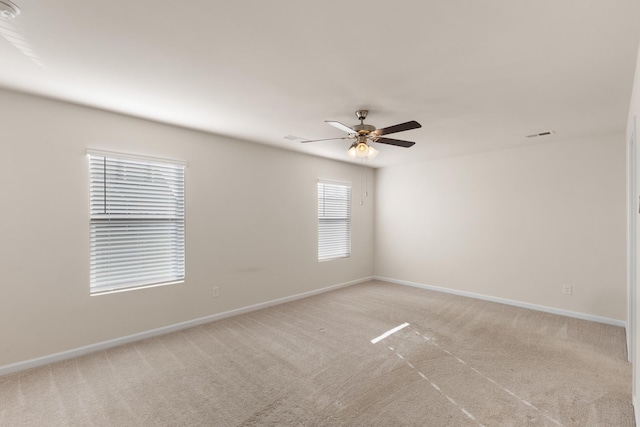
460,362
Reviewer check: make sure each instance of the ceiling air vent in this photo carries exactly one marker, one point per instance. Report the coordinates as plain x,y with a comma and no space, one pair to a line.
546,133
8,10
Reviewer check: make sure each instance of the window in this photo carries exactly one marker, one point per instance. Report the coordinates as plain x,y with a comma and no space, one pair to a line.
137,222
334,221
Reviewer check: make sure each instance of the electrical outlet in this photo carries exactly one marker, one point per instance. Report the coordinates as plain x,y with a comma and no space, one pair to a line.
567,289
216,292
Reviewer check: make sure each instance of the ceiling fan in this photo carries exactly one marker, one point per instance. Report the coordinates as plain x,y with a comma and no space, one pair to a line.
362,134
10,29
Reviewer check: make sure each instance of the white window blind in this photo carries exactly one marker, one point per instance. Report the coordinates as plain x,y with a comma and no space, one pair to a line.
334,221
137,222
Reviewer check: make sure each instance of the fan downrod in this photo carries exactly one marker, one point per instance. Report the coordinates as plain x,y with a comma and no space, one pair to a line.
363,129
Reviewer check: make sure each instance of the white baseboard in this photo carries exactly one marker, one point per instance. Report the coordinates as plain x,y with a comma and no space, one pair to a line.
636,410
521,304
56,357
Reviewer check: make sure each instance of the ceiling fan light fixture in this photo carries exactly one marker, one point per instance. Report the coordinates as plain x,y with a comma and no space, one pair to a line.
362,151
352,152
372,153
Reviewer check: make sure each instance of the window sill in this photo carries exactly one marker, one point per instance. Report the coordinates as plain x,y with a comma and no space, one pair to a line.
134,288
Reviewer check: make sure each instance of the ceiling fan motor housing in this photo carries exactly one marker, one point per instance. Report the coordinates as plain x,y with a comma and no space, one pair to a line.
363,129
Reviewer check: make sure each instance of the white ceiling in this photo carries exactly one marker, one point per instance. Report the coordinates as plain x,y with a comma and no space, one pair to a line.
478,75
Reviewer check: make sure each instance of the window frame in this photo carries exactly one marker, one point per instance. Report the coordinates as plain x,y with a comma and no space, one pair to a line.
344,242
128,233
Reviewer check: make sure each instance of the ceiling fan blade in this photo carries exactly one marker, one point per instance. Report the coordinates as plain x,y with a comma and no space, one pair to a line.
396,142
398,128
326,139
340,126
14,34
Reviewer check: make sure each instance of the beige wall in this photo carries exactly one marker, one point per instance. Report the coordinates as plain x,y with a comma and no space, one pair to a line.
514,224
632,134
250,220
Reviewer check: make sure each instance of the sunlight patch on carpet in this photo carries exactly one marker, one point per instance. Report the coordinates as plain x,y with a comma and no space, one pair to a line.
389,332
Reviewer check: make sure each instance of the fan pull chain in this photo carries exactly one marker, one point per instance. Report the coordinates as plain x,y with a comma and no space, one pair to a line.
364,193
361,172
